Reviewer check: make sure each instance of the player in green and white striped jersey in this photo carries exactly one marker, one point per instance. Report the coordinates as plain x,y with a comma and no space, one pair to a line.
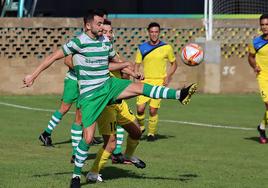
97,89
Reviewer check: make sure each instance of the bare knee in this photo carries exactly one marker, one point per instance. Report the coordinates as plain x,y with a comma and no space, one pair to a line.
140,109
133,130
88,133
153,111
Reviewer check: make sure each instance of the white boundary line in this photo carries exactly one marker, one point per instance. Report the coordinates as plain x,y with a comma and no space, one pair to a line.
169,121
28,108
208,125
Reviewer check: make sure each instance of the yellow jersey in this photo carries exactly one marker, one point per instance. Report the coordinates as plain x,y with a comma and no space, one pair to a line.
259,47
154,59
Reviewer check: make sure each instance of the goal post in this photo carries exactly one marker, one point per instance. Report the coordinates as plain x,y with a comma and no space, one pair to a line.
208,18
231,9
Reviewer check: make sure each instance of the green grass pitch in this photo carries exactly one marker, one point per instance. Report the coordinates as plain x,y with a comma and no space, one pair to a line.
190,152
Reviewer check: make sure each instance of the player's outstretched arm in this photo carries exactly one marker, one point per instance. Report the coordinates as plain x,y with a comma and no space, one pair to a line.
49,60
131,72
116,63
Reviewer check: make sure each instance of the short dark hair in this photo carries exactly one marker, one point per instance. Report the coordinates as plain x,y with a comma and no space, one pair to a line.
153,24
264,16
89,16
107,22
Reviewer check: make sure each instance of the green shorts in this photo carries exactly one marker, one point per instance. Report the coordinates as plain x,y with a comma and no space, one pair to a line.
71,91
94,104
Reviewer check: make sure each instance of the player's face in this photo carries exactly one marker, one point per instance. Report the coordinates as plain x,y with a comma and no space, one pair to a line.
264,26
95,26
108,32
154,33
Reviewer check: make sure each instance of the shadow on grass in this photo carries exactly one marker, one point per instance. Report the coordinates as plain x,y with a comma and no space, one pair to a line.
63,142
254,138
158,137
187,177
111,173
52,174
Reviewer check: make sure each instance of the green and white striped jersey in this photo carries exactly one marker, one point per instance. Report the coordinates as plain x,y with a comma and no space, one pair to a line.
90,59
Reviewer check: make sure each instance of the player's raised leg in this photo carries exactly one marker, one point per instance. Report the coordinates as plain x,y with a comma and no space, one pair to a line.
159,92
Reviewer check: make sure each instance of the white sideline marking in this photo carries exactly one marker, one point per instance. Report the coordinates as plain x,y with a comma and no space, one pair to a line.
29,108
207,125
169,121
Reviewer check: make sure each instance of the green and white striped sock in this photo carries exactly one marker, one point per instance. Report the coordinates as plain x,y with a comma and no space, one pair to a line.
53,122
76,136
160,92
80,157
119,139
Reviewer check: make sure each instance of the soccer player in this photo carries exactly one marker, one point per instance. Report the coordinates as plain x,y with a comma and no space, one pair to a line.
258,60
122,110
69,96
154,55
94,57
112,133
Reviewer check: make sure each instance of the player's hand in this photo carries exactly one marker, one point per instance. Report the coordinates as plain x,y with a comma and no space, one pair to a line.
28,81
257,70
138,76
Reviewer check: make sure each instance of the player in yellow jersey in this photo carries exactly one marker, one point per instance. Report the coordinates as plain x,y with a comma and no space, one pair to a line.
108,124
258,60
154,55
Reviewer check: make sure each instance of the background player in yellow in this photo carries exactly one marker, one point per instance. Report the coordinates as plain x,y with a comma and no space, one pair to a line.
154,55
258,60
108,122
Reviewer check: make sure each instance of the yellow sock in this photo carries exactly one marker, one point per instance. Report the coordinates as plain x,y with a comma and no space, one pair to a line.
131,146
140,119
152,126
100,161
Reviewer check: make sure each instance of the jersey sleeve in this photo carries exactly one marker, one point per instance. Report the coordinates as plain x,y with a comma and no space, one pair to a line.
71,47
251,48
171,55
138,57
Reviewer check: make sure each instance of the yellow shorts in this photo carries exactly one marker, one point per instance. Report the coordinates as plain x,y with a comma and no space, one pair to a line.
263,86
113,115
155,103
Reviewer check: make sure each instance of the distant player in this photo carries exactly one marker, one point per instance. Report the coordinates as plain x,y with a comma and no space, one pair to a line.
95,55
154,55
258,60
